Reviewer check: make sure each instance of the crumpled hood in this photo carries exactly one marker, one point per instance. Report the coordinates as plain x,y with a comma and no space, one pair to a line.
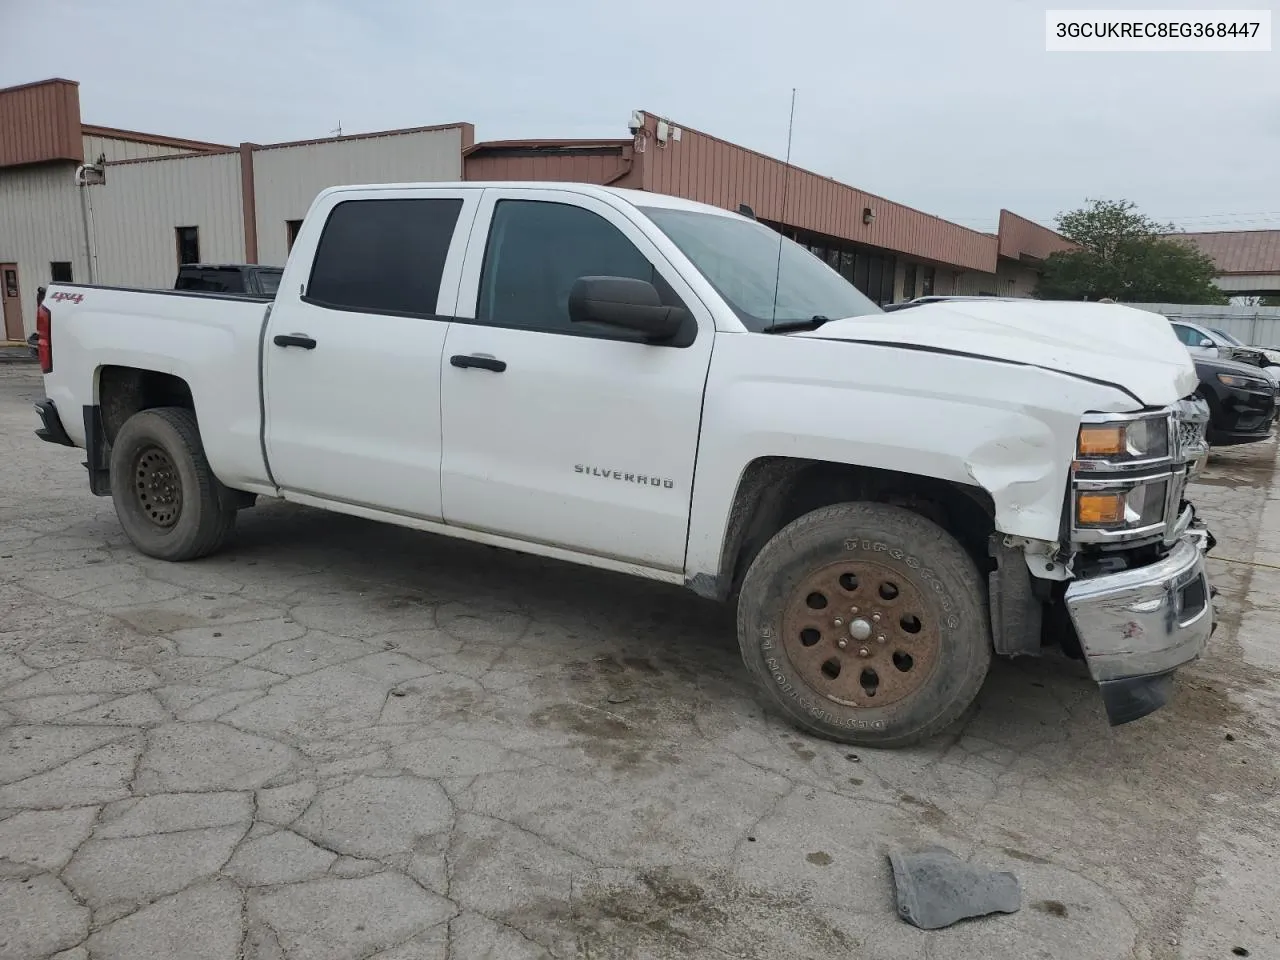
1133,349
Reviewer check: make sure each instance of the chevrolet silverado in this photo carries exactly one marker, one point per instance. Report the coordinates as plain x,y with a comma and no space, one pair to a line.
648,385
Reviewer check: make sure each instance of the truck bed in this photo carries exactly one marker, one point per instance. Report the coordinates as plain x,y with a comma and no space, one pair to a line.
210,341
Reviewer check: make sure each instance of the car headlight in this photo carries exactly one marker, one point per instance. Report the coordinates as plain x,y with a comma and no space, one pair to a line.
1116,507
1118,440
1244,383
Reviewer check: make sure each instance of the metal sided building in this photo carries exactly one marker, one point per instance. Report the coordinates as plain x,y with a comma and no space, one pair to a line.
98,204
888,250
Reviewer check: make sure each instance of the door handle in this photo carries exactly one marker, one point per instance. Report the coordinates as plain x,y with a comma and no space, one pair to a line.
484,363
294,340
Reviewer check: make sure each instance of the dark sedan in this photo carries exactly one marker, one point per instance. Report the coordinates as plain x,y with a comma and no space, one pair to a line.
1242,401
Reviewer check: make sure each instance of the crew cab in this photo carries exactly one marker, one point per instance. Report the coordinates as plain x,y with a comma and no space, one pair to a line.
639,383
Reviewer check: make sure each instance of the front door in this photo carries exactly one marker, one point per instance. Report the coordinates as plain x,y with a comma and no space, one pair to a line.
11,296
578,438
351,359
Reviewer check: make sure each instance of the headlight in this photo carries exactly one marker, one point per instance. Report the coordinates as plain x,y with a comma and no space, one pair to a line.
1132,506
1244,383
1112,440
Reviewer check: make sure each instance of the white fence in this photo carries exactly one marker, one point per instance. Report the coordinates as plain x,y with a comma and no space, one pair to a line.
1257,326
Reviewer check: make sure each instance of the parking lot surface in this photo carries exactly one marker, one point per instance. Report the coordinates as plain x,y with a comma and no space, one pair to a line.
338,739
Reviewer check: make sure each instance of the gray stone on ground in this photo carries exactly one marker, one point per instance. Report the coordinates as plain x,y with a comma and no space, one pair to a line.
936,888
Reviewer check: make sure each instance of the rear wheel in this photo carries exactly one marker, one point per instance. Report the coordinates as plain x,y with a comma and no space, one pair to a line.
867,624
167,499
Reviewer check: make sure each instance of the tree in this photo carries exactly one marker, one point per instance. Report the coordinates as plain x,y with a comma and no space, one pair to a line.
1126,256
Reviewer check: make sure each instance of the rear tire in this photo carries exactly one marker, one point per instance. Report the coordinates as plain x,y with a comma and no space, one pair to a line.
866,624
167,499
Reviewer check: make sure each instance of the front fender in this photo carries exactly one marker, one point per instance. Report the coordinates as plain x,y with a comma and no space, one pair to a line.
1007,428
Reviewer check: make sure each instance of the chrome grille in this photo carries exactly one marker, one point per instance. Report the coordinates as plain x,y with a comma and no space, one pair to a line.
1191,421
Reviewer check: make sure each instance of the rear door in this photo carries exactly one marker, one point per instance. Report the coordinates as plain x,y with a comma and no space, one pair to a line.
351,360
558,434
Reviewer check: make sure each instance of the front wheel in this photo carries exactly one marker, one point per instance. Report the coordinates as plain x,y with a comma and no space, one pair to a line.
867,624
168,500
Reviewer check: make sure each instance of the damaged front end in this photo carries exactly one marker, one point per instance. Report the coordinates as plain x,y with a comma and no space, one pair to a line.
1139,601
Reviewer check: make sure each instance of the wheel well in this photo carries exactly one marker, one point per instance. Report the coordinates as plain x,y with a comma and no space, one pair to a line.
123,391
773,491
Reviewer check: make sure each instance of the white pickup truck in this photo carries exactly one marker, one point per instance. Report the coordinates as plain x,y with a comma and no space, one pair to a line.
638,383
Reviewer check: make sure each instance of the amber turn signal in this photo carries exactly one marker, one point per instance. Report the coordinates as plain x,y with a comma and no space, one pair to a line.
1099,509
1101,439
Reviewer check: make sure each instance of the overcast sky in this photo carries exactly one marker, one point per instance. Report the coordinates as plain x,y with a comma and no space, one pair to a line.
953,107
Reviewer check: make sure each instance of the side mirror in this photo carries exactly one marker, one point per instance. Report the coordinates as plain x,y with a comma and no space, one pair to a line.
1206,342
625,303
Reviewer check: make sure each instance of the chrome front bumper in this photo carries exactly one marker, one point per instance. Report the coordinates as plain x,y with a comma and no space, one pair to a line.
1137,626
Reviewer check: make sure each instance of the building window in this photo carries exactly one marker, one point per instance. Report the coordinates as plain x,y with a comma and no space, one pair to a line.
60,271
909,281
291,228
188,244
846,264
926,289
861,263
875,277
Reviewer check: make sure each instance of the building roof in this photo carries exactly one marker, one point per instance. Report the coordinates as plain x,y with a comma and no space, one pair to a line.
133,136
1238,251
1026,240
40,122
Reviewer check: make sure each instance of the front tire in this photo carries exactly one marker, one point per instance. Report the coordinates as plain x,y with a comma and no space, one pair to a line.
866,624
167,499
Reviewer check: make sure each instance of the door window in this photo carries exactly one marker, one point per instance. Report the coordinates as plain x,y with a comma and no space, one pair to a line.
537,250
1187,335
383,256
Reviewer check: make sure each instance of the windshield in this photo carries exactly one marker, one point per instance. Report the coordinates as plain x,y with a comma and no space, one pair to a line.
740,259
1226,336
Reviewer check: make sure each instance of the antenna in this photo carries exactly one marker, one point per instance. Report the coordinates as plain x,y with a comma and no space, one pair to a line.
338,130
786,183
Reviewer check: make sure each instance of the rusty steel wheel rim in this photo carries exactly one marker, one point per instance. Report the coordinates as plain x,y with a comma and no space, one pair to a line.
860,633
157,486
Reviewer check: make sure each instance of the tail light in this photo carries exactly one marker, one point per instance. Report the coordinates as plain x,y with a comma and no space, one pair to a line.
44,338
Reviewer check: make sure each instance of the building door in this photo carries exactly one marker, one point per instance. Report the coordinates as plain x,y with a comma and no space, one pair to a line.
11,294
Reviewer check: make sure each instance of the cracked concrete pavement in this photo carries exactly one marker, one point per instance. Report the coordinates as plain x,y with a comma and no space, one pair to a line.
344,740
